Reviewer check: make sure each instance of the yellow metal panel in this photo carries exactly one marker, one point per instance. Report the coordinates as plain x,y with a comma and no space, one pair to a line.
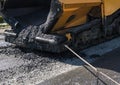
80,17
110,6
78,8
79,1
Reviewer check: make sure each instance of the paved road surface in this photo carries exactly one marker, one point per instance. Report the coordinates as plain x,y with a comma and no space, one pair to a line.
30,68
109,64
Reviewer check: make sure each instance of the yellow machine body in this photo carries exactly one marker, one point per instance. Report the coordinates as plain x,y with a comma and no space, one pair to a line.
79,10
110,6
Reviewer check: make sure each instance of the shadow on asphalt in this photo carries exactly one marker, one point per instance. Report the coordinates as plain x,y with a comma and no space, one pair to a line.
110,61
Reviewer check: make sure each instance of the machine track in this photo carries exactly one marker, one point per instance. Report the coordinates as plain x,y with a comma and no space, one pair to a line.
93,33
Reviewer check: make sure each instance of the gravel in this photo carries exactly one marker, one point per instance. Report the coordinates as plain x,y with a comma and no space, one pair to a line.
18,67
4,44
2,37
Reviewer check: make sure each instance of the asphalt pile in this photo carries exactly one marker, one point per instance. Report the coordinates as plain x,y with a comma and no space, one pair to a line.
27,67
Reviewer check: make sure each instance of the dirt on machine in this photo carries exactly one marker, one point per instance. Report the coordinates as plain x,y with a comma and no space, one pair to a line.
49,24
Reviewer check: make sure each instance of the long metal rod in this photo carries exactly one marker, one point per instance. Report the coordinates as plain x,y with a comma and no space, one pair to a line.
81,58
90,65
